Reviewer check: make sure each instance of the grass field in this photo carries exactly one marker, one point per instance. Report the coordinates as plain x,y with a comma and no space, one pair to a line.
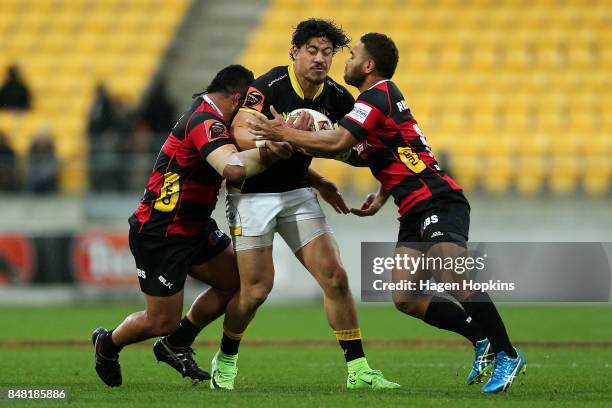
289,358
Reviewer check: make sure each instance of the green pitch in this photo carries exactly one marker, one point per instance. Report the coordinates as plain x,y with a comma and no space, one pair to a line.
289,358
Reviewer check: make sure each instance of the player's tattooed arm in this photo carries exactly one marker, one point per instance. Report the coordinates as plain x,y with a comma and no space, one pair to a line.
329,141
372,203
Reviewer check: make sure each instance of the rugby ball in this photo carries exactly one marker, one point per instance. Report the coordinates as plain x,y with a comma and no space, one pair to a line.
320,121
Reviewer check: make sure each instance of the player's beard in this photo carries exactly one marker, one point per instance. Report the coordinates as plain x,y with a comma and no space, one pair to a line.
354,77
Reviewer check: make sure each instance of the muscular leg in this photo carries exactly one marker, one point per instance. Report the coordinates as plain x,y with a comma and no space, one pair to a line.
256,280
256,270
413,303
433,310
221,273
160,317
478,305
322,259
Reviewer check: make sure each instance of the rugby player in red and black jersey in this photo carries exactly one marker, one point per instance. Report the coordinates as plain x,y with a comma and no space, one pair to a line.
172,234
282,200
434,213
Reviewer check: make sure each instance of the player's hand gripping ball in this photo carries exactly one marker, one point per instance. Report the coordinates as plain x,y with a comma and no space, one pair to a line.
319,120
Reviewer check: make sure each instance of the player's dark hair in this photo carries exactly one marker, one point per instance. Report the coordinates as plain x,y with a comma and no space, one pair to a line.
316,27
230,80
383,51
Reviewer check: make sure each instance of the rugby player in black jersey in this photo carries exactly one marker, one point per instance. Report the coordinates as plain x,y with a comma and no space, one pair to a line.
281,199
434,213
172,234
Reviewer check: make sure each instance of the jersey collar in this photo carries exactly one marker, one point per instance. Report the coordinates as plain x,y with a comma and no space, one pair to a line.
379,82
296,85
212,104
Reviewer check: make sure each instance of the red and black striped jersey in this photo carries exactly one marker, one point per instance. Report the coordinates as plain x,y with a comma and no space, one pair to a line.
394,147
183,188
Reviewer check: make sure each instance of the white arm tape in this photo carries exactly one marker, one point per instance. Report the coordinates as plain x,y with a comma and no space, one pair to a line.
262,144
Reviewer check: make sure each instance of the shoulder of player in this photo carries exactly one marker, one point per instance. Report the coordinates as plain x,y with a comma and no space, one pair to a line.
272,79
204,113
210,121
377,96
336,87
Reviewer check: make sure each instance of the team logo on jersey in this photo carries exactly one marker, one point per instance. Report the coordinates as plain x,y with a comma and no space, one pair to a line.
254,99
360,112
216,130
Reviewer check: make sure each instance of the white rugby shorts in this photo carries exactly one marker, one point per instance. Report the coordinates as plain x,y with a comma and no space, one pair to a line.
254,218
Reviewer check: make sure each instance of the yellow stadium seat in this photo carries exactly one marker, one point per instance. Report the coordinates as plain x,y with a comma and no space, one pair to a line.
564,174
530,174
597,175
466,170
65,47
497,177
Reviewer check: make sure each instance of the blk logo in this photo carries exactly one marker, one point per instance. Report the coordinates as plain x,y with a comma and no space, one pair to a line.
165,282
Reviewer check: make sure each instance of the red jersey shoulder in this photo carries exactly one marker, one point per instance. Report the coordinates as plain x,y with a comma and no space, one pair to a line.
213,125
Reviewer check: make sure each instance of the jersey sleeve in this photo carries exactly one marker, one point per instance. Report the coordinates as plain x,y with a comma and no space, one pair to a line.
370,110
209,135
258,97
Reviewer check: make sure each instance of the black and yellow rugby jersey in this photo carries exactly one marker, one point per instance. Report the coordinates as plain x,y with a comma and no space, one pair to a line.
279,87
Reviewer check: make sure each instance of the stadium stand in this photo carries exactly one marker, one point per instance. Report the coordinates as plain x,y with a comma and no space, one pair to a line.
515,92
64,48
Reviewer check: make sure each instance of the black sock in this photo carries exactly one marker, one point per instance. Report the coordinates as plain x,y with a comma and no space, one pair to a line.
184,335
353,349
445,314
108,348
481,308
229,345
350,341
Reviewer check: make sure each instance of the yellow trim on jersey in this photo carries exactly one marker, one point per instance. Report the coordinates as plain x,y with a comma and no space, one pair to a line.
254,112
296,84
352,334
